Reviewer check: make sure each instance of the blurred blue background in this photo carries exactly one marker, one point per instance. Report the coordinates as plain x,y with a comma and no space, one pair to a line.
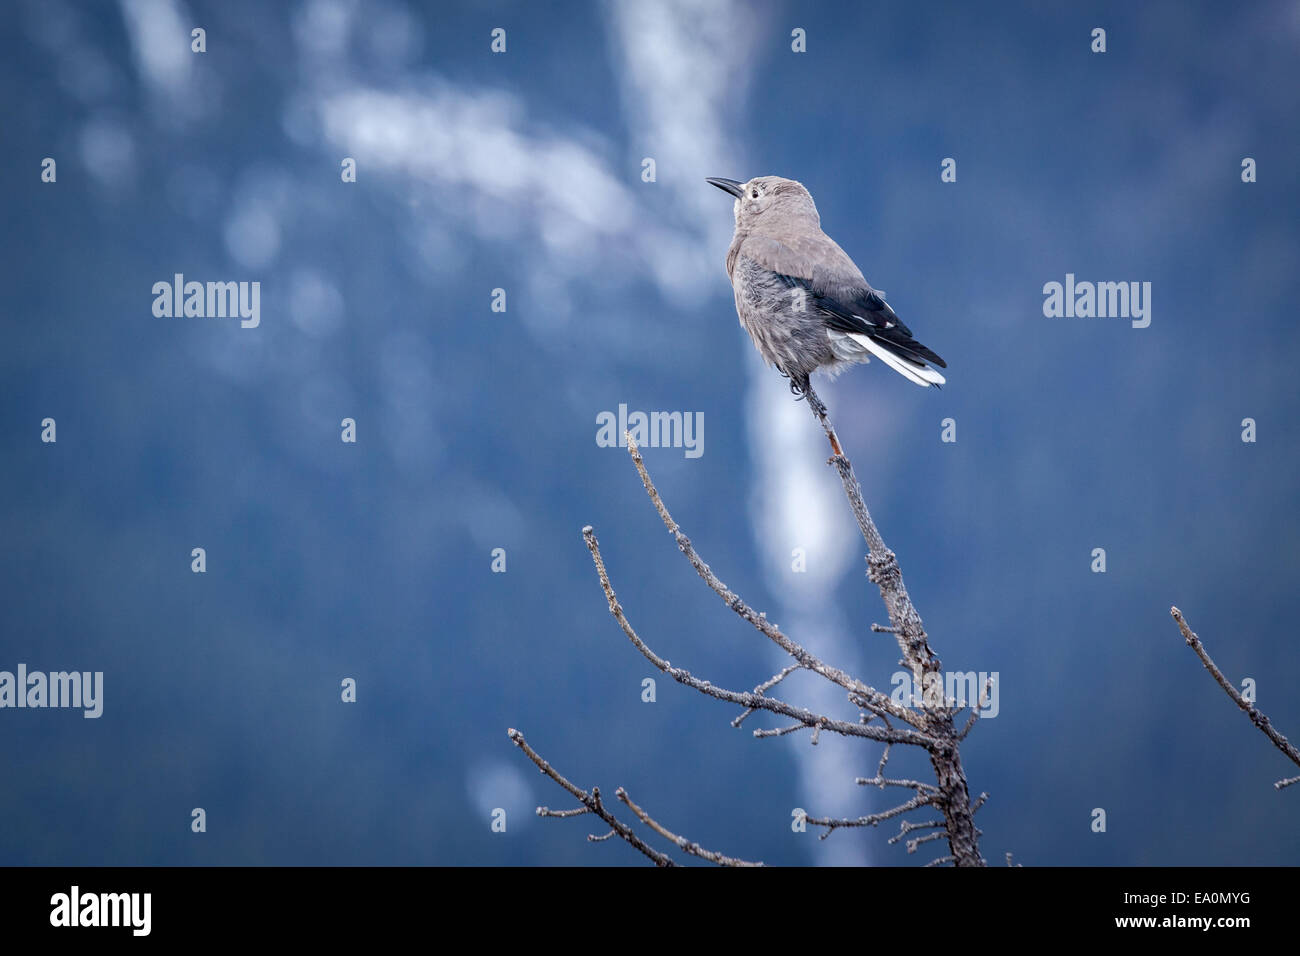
476,429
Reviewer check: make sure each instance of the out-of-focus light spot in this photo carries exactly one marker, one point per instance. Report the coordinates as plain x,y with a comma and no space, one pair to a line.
160,39
252,237
108,152
497,784
315,304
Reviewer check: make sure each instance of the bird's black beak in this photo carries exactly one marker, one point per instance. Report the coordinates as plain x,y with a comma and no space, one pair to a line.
728,185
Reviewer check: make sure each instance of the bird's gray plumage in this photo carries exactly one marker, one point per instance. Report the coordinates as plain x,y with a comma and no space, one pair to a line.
803,301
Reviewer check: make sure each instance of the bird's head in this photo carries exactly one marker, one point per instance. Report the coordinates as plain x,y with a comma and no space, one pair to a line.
769,202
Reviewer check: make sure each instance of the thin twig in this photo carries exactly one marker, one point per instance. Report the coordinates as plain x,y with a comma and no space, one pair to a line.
872,819
780,731
764,687
883,782
685,845
591,801
1257,717
908,826
913,844
575,812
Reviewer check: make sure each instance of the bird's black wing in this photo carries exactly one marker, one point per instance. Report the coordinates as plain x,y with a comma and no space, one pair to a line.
860,309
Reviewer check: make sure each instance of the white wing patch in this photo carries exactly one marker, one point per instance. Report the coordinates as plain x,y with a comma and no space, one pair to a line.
920,374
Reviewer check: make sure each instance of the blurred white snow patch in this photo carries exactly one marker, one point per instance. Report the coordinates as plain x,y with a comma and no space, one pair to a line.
449,137
798,501
160,32
685,67
497,784
160,40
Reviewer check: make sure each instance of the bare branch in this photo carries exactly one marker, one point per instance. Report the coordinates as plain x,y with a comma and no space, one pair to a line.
883,782
1257,717
685,845
744,699
953,798
985,696
785,672
884,759
575,812
930,727
870,820
806,658
913,844
591,801
780,731
882,563
907,826
764,687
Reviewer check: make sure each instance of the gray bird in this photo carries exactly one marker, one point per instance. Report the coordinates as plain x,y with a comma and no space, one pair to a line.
801,298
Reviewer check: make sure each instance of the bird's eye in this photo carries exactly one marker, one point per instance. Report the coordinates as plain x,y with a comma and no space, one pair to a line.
754,193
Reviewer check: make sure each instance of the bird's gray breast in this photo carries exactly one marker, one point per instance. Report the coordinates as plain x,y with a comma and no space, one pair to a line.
781,318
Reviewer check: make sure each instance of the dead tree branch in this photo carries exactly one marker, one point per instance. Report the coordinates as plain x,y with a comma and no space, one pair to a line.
749,700
876,701
591,803
883,570
683,844
1257,717
929,721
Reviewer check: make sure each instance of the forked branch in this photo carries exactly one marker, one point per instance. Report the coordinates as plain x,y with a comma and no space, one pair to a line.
928,725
